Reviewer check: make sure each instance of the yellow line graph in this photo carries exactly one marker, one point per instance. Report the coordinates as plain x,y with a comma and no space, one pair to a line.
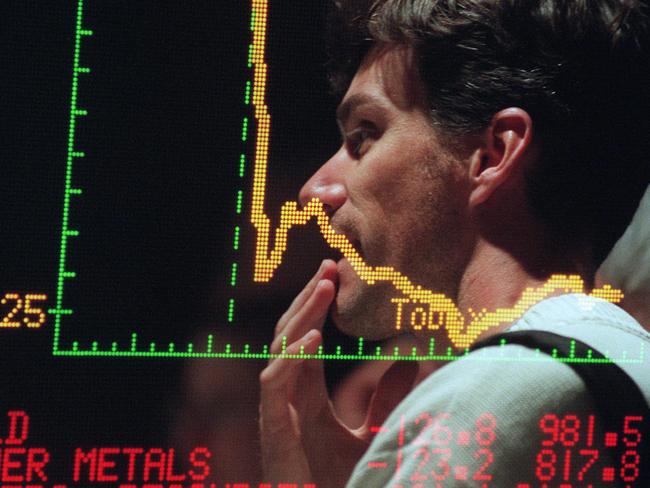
428,310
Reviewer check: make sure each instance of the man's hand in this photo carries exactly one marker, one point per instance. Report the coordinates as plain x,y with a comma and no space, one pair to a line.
302,439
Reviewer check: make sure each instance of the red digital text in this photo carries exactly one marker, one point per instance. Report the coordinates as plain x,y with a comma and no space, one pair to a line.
19,463
432,444
113,464
22,466
575,452
571,451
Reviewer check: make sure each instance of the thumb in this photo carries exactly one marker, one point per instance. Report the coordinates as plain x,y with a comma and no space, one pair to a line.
394,385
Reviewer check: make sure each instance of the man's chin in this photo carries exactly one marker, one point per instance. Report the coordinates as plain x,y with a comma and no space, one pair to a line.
362,310
367,331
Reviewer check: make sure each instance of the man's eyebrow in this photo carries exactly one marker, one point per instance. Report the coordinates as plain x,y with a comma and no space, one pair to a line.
351,103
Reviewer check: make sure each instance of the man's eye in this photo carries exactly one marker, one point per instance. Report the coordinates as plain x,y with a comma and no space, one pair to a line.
359,140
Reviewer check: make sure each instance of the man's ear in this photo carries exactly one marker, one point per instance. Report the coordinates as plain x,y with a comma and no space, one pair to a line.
501,154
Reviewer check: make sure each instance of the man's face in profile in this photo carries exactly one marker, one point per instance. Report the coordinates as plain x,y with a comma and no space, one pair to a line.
395,190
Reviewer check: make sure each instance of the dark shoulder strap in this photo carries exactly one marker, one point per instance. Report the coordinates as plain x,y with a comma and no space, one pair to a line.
615,394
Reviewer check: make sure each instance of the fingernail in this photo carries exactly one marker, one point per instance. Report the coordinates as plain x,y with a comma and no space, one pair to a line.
322,265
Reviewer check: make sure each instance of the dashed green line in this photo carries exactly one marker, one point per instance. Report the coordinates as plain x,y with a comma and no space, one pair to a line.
240,197
231,310
235,244
242,165
244,130
247,95
233,274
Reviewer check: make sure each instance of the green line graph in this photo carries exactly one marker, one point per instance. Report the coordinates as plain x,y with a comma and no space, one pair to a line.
135,348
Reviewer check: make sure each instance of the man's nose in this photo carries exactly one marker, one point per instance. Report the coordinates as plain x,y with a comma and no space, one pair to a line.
327,184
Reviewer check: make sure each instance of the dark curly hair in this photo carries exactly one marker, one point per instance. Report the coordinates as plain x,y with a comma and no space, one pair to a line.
580,68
